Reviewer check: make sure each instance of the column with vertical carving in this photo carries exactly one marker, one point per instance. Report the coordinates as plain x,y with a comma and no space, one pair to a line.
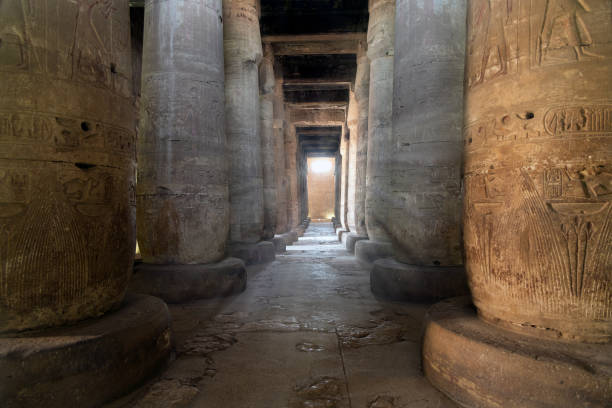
537,212
67,208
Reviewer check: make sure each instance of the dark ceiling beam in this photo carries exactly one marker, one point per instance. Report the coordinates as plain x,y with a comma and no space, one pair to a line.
137,3
315,86
318,68
317,96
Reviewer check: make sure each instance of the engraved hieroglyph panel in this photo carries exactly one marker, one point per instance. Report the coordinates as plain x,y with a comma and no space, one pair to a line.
67,131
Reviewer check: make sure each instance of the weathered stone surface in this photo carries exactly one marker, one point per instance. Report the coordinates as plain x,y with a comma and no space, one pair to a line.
67,133
481,365
182,190
338,177
427,121
268,147
89,363
368,251
538,136
362,92
181,283
380,149
253,254
395,280
243,52
352,239
341,232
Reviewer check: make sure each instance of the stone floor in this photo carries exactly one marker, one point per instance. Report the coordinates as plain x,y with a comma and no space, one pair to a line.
307,332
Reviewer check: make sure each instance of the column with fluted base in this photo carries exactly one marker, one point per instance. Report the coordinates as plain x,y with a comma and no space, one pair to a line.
537,212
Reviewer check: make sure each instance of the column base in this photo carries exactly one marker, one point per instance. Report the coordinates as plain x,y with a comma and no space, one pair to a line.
393,280
253,254
280,244
290,237
352,239
89,363
340,232
368,251
181,283
481,365
299,230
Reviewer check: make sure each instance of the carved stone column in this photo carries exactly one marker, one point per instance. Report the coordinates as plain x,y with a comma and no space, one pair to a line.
537,226
67,208
243,52
378,178
182,192
266,123
425,164
279,158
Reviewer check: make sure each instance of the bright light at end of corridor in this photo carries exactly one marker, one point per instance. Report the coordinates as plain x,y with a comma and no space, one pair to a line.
321,165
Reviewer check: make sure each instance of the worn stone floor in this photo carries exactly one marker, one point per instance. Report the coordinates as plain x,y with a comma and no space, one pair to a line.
307,333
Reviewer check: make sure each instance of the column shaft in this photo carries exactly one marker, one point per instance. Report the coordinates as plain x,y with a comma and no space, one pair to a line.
67,126
380,53
362,92
266,122
349,222
280,157
242,48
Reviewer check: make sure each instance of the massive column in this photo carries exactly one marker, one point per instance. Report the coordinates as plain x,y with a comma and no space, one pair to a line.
182,191
378,177
425,164
291,155
266,123
67,210
537,225
243,52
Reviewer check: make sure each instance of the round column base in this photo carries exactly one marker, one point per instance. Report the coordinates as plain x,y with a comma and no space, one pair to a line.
280,244
368,251
341,232
89,363
299,230
181,283
254,254
483,366
352,239
290,237
393,280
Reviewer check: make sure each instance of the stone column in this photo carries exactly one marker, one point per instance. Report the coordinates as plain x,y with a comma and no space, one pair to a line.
243,52
338,176
182,192
291,155
346,152
425,165
358,123
378,178
266,122
67,208
279,158
537,225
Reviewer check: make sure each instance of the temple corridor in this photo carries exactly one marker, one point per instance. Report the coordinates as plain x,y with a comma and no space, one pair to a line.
307,332
305,203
